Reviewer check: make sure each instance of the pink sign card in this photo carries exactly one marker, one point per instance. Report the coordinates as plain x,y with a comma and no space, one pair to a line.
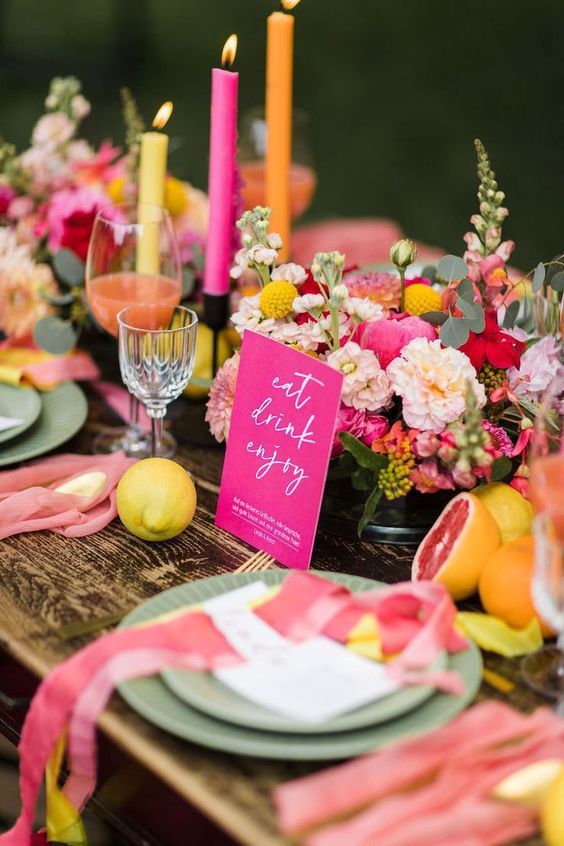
278,450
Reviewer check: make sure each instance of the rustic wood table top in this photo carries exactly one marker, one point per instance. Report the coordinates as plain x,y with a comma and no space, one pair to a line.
47,581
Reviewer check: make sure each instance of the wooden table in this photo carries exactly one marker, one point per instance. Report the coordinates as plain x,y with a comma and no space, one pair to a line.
47,581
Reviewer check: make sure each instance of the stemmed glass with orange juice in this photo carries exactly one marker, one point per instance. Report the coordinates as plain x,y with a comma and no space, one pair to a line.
544,670
252,150
133,261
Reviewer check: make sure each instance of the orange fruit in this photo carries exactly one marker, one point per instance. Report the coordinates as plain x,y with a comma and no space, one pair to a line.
455,548
505,584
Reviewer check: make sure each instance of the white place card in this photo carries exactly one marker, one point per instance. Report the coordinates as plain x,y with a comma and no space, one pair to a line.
9,423
313,681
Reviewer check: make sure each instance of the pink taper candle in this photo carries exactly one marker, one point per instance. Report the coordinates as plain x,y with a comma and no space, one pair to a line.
221,184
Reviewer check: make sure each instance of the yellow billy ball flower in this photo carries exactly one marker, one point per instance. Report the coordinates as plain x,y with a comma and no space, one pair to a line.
115,190
420,298
176,199
277,297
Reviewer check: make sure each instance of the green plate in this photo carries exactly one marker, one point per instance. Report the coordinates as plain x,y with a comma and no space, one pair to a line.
63,412
18,402
207,694
151,698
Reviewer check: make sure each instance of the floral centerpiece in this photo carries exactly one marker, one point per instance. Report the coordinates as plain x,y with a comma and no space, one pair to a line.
440,383
49,197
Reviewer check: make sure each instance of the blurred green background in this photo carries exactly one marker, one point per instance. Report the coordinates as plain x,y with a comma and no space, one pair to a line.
396,93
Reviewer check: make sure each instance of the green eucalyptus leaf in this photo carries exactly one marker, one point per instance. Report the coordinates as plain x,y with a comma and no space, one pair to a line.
468,309
475,324
501,468
511,315
436,318
429,272
465,291
538,277
54,335
452,267
69,269
364,456
370,508
557,282
454,333
60,300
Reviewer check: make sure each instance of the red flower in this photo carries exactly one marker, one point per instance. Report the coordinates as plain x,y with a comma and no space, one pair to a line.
77,229
494,346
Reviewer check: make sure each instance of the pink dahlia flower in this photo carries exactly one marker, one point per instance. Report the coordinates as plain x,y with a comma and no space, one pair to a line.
382,288
220,403
376,427
387,338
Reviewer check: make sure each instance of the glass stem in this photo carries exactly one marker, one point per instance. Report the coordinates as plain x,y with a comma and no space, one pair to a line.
134,431
157,416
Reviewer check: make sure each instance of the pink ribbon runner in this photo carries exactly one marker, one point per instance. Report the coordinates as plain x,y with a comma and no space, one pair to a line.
76,691
28,502
432,789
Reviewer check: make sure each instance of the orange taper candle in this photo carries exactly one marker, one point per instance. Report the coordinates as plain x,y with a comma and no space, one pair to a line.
279,69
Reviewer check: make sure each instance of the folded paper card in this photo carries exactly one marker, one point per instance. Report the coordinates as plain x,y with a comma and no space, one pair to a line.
278,451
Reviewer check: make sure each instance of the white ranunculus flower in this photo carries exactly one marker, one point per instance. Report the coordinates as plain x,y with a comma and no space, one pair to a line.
52,130
308,302
289,272
258,254
365,383
432,381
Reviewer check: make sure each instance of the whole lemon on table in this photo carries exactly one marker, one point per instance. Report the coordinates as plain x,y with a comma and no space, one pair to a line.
156,499
511,511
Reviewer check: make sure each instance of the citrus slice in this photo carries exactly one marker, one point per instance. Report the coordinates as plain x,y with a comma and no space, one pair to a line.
457,545
529,785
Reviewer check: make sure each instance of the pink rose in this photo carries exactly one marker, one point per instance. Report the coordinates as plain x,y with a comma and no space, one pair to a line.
349,420
70,218
387,338
376,426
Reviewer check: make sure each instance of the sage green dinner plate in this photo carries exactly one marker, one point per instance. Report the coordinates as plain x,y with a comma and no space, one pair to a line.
151,698
20,402
208,694
63,412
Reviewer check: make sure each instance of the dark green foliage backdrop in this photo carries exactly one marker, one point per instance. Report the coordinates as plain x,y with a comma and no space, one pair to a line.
396,92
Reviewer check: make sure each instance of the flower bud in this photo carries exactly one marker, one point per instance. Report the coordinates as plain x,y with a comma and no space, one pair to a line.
485,208
403,252
274,240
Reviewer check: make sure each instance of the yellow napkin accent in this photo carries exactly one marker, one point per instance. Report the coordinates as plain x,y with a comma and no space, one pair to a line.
364,638
13,362
490,633
64,824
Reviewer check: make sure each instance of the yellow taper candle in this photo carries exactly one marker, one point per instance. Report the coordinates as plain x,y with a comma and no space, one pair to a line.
152,175
279,71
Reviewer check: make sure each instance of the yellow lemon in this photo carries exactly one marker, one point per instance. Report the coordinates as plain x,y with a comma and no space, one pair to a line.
420,298
552,814
156,499
529,785
511,511
202,373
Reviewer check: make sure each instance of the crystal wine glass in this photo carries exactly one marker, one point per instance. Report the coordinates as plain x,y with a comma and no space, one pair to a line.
544,670
252,150
156,357
133,259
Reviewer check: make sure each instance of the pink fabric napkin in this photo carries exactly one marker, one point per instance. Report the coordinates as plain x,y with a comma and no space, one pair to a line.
29,503
118,399
362,240
433,789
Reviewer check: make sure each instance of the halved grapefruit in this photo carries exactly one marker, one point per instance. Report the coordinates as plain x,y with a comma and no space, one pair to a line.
457,546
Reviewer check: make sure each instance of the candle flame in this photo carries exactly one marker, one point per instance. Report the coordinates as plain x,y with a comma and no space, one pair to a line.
163,114
229,51
288,5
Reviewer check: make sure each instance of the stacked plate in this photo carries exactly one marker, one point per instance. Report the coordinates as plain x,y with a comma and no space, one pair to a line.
47,420
197,707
